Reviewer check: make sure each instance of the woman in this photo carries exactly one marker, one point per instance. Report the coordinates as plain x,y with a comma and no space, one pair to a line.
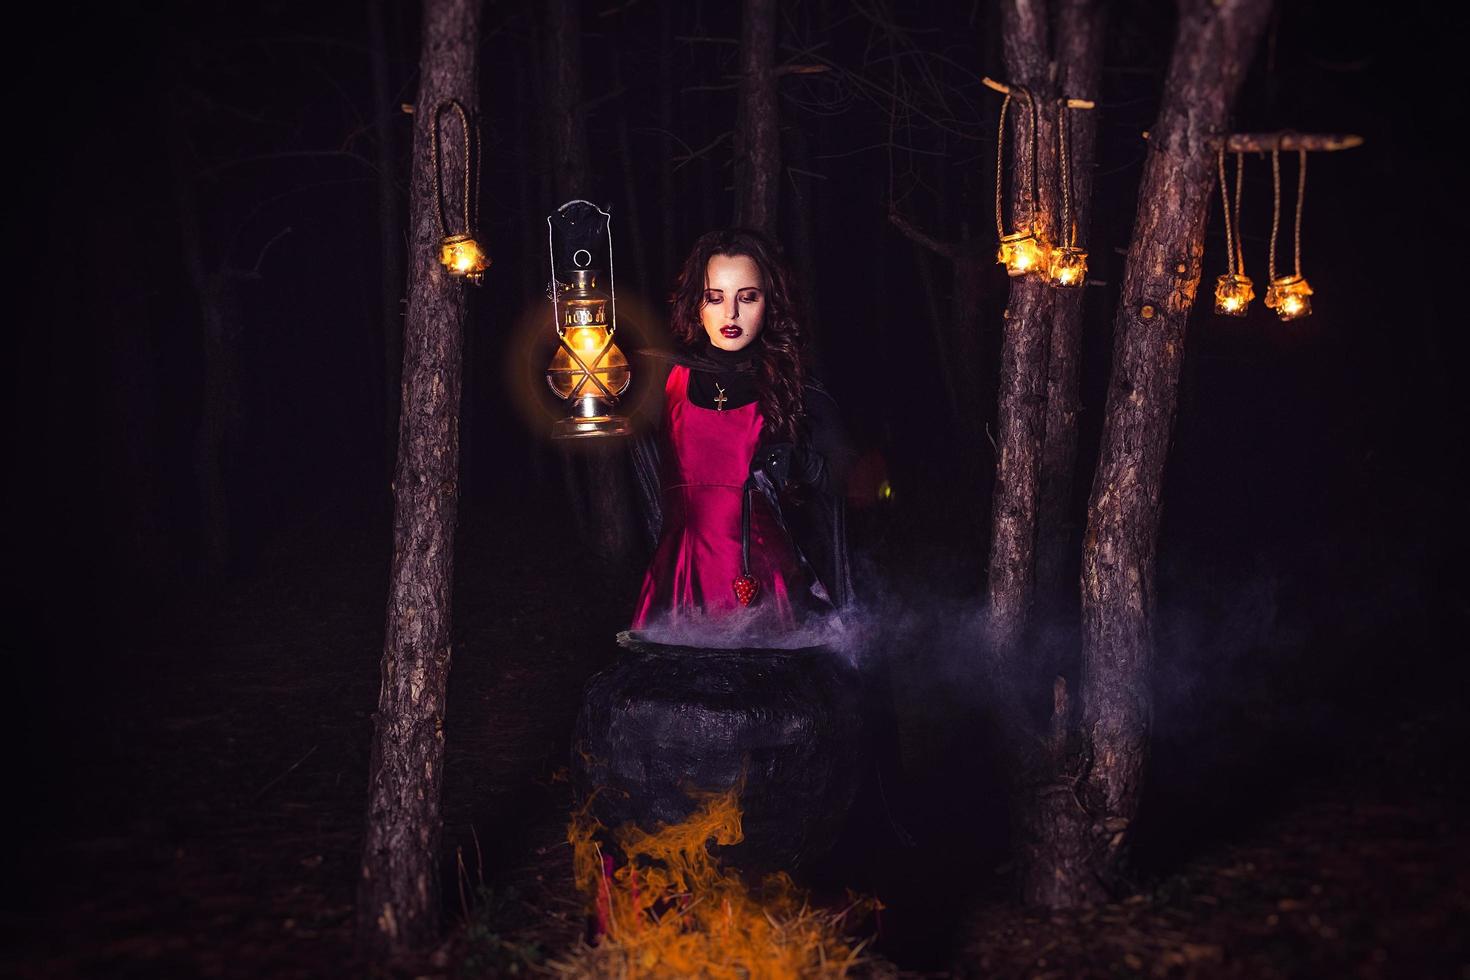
745,436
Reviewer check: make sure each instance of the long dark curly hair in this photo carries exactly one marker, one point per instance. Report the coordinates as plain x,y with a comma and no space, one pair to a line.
783,357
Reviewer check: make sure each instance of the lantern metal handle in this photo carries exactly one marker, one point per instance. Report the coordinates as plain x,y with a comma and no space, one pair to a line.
611,274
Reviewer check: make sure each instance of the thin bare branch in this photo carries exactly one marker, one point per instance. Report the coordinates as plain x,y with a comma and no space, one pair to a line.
914,234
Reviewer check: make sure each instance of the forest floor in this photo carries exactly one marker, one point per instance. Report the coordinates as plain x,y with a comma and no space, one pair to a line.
205,816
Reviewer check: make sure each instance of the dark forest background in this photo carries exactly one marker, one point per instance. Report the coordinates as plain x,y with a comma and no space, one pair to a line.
258,121
1310,562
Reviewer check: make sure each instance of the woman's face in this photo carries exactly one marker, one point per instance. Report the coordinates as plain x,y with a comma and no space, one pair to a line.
734,301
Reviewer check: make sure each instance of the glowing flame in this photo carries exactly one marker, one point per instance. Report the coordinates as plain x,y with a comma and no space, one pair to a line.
1233,294
671,911
587,340
1021,252
461,255
1288,296
1067,266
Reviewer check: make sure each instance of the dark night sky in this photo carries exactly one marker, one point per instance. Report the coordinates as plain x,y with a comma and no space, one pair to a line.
1315,455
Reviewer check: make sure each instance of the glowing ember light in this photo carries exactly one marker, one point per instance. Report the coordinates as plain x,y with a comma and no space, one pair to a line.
461,255
1021,252
1067,267
1233,295
587,340
671,910
1288,296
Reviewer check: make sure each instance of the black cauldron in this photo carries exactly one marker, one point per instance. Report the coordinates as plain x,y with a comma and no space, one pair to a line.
666,721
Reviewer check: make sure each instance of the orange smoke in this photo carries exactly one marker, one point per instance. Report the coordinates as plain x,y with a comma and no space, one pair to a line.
671,911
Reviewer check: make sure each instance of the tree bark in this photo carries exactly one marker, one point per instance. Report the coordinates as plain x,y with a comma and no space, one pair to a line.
398,893
1020,414
757,126
1079,43
1212,50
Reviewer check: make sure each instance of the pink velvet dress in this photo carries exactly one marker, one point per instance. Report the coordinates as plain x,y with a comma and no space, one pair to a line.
705,458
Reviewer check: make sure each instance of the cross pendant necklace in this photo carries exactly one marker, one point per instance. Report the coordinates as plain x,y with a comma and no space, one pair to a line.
719,397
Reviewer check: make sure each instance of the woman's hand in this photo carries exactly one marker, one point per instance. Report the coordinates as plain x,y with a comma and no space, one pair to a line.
784,464
775,461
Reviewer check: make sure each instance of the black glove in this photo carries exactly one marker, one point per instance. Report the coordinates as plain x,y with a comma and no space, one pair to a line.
775,461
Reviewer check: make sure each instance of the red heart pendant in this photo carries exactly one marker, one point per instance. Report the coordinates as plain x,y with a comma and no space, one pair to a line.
746,588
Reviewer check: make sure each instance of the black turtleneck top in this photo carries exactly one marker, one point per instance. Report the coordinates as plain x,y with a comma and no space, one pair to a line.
733,372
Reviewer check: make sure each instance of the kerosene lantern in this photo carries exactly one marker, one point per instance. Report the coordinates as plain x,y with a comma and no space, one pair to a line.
588,371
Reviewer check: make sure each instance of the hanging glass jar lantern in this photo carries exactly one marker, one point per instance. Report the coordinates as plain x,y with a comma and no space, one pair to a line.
1022,251
1233,294
1234,290
1290,297
1066,265
588,371
459,253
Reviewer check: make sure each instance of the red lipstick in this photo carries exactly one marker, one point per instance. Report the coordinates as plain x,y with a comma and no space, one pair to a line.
730,332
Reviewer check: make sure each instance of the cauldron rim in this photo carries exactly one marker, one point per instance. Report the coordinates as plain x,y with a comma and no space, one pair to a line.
634,642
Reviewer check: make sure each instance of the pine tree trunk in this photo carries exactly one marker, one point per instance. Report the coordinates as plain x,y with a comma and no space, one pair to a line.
1079,44
1212,50
398,893
1021,411
757,133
